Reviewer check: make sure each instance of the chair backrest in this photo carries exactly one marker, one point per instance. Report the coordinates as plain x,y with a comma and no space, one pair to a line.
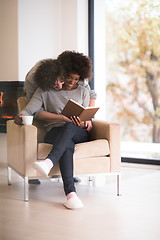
41,132
22,102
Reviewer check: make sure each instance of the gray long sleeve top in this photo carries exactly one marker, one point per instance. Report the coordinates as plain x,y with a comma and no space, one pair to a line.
54,101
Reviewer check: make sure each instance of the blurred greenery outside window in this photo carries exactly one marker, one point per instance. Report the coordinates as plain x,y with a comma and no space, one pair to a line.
133,74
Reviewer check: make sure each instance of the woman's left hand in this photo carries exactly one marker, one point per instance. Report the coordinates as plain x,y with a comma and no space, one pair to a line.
18,119
88,125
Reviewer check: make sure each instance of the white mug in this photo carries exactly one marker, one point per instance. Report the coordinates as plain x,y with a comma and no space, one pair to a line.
27,120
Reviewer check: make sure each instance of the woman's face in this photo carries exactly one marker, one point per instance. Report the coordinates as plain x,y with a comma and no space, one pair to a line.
58,84
71,81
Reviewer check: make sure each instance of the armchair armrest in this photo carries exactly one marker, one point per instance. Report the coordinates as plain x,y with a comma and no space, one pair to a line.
111,132
21,147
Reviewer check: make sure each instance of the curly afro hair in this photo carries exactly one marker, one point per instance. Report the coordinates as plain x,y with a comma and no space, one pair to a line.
47,73
77,63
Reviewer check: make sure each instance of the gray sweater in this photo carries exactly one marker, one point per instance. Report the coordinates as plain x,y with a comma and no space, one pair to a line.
54,101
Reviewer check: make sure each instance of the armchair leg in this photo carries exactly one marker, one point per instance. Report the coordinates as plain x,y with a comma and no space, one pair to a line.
92,181
26,199
118,185
9,176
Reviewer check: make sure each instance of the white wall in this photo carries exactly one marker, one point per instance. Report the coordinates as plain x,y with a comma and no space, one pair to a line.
48,27
99,55
39,32
82,15
75,25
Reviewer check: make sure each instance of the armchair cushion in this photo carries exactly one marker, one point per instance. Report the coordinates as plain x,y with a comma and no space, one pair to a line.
96,148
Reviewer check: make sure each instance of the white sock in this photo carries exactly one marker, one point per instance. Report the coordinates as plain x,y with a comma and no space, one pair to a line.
43,167
49,163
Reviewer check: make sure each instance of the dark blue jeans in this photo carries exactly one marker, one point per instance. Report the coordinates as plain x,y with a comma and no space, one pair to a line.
63,140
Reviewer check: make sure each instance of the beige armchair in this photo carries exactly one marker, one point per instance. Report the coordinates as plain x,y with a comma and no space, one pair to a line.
99,156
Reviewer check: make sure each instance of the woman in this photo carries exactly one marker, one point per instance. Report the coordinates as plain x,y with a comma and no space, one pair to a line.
63,132
30,85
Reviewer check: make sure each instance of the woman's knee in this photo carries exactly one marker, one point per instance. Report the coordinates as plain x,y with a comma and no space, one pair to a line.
69,126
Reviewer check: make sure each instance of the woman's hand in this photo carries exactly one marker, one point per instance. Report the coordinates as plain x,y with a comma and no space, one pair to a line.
77,121
18,119
88,125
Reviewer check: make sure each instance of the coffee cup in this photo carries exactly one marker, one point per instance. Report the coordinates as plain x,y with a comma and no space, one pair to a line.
27,120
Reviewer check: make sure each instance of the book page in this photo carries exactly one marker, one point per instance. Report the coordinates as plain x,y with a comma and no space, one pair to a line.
88,113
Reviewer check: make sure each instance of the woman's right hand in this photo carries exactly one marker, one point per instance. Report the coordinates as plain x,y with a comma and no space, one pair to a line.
18,119
77,121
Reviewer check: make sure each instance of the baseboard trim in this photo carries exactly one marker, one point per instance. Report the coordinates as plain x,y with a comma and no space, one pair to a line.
141,160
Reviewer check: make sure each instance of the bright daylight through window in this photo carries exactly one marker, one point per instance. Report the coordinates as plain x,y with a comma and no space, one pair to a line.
133,74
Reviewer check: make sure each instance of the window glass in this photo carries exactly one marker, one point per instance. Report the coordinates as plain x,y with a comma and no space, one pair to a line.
133,74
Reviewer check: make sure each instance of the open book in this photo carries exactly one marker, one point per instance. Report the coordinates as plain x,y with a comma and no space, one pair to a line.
75,109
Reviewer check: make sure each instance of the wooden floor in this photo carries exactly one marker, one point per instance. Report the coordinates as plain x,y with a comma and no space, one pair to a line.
135,215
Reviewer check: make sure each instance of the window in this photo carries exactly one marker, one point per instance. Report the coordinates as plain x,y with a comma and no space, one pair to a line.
132,72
